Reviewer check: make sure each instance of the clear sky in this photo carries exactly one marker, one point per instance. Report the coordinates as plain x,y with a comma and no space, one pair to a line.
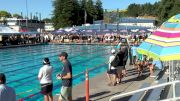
45,6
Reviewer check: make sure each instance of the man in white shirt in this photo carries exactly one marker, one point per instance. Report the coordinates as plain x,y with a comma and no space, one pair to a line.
6,93
45,77
112,71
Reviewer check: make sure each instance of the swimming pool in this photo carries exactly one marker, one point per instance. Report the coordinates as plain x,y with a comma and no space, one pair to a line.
21,65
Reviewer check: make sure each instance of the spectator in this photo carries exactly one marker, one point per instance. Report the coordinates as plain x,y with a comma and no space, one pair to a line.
124,49
6,93
66,76
120,66
112,71
156,64
134,52
45,77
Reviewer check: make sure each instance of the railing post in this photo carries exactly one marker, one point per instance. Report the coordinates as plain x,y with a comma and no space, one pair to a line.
87,85
174,90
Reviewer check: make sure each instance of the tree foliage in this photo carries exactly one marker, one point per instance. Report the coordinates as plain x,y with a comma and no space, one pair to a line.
74,12
5,14
99,10
163,9
91,12
17,16
47,20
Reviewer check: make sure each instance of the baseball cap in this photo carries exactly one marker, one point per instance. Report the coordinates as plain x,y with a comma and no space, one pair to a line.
63,54
113,51
2,78
46,61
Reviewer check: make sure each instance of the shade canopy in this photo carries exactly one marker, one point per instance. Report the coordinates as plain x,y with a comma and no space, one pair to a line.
164,43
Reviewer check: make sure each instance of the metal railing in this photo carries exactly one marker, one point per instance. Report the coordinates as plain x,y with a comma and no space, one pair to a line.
146,89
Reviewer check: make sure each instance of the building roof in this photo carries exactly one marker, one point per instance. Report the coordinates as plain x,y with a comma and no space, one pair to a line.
5,30
136,20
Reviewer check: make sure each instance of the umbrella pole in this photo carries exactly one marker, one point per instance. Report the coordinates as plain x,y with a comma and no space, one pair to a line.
169,72
174,90
172,71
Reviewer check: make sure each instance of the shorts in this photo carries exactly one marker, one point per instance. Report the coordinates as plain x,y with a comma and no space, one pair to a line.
66,92
112,71
124,63
46,88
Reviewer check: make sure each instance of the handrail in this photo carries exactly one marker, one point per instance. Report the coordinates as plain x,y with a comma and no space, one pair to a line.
171,99
144,89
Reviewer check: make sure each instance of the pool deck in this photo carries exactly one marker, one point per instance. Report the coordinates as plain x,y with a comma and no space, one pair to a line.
100,91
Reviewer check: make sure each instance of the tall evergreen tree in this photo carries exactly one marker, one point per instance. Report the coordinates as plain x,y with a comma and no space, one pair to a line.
65,13
99,10
165,9
83,11
133,10
90,10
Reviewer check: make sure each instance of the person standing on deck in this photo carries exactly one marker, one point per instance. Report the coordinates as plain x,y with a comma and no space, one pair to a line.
125,51
6,93
66,76
45,77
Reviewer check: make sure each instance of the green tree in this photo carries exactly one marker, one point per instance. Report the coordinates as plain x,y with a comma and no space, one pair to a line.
155,9
175,9
99,10
17,16
65,13
47,20
90,10
165,9
134,10
5,14
83,13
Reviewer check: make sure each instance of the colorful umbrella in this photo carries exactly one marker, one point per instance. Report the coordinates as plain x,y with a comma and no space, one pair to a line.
164,43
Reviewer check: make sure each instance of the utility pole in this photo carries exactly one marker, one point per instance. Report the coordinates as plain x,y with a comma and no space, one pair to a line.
27,15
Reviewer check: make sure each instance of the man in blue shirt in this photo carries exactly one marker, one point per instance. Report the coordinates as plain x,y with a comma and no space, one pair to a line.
66,76
134,52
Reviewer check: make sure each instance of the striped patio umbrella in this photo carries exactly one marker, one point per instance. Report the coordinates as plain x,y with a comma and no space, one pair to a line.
164,43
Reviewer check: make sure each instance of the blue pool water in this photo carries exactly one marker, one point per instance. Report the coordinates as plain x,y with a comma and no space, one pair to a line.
21,65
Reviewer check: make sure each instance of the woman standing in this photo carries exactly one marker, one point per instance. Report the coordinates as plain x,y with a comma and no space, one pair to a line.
45,77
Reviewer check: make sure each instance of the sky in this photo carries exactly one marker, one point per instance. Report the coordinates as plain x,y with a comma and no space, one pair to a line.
45,6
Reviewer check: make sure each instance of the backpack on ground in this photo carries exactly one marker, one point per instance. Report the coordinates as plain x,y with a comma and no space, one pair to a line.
115,61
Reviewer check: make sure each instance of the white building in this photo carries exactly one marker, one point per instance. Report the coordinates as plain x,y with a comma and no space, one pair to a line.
49,27
24,25
137,22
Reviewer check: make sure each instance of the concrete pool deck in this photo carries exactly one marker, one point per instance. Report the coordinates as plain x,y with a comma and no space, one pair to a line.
100,91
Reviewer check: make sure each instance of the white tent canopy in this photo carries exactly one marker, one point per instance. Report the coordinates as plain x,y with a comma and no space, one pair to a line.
5,30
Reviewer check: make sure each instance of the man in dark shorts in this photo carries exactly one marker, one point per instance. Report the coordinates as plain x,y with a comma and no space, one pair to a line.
66,76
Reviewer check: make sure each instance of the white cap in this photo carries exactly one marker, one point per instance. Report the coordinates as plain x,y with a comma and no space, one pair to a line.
119,44
113,51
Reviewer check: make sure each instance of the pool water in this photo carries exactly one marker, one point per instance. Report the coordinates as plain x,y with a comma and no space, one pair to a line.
21,66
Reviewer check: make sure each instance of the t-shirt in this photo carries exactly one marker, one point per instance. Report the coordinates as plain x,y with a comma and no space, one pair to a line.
111,58
7,93
67,68
157,63
133,50
46,73
140,57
